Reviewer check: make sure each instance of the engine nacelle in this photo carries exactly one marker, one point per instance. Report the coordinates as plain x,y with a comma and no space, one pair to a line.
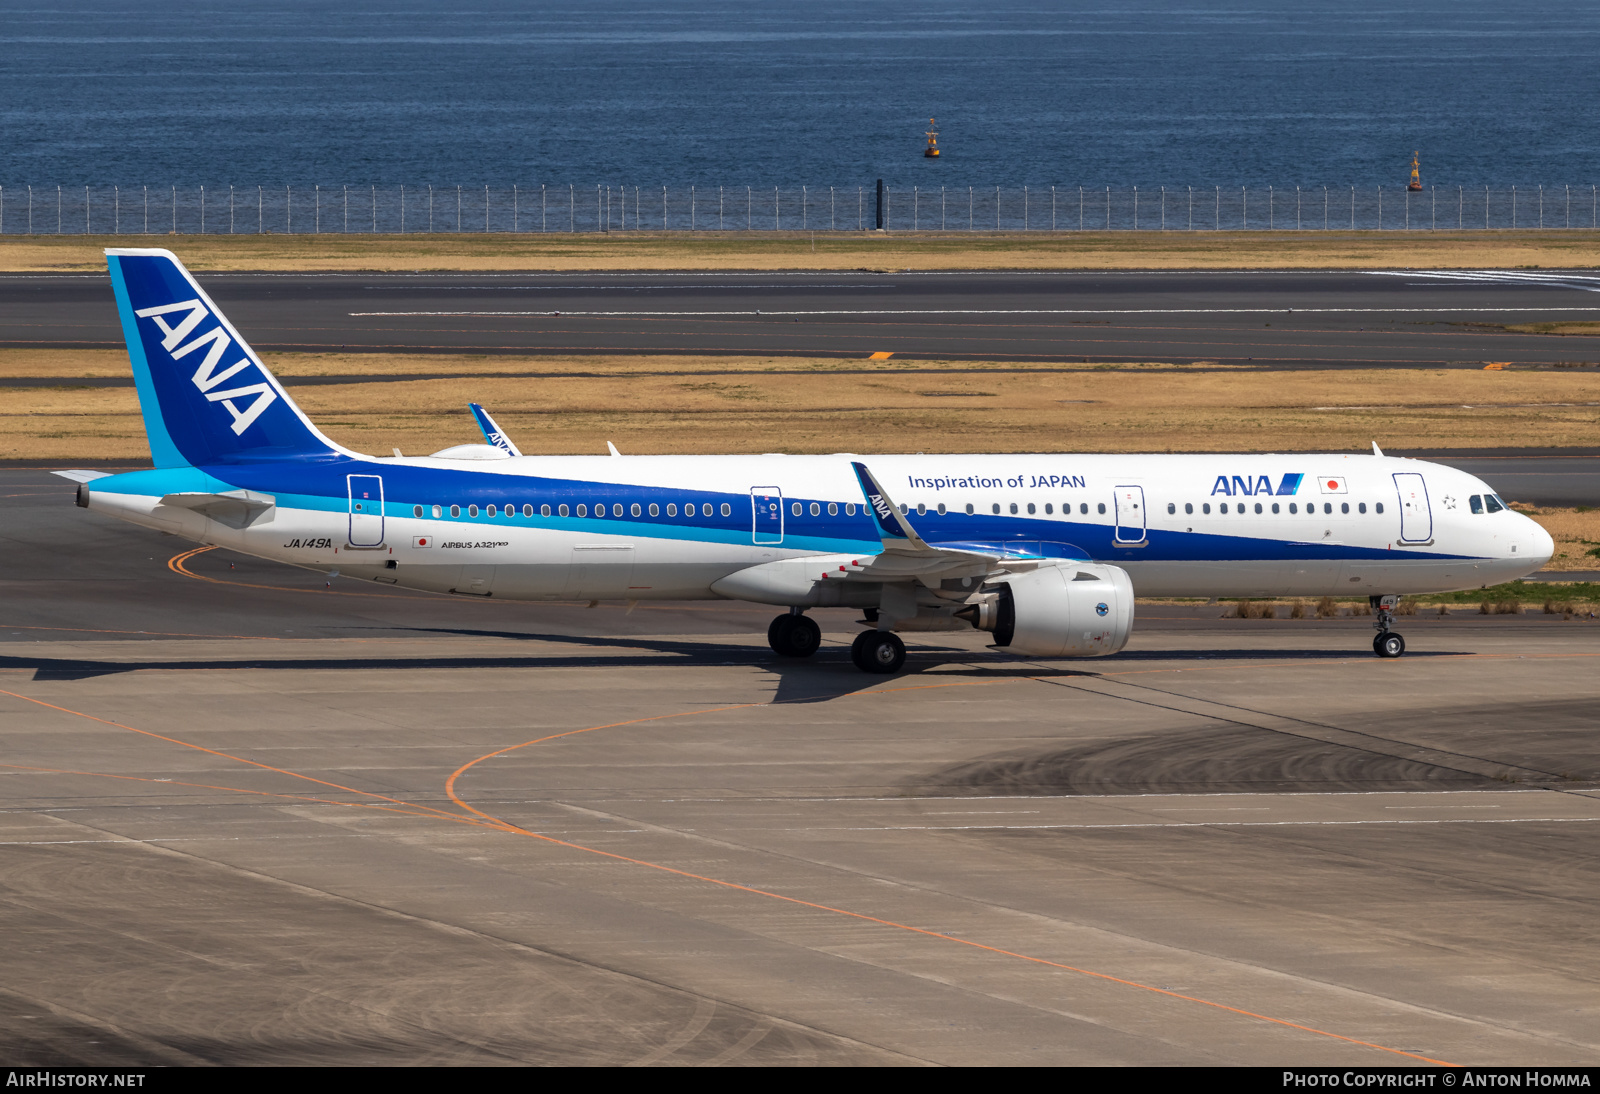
1068,609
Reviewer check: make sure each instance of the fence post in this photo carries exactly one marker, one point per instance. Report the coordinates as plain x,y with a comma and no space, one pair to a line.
1541,205
1244,207
347,209
1485,207
1380,208
375,208
288,211
1218,224
402,209
969,208
997,208
691,208
878,225
1324,208
775,221
86,210
1080,208
514,206
803,196
316,227
116,209
1433,213
1136,208
230,208
833,211
1108,208
1352,208
1191,208
916,210
58,208
202,209
861,209
720,224
1513,206
1568,222
1163,208
1024,208
750,209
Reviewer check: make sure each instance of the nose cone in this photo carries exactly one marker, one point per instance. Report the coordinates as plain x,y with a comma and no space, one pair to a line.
1540,546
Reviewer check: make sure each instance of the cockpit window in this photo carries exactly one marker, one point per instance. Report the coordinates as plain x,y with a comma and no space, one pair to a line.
1495,504
1475,503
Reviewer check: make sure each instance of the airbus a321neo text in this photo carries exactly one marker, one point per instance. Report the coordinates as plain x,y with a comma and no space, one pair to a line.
1046,552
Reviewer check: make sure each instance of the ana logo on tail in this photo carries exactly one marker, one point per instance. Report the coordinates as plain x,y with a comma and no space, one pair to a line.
206,378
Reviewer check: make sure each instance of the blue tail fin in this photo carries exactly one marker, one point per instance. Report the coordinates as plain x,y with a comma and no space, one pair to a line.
206,396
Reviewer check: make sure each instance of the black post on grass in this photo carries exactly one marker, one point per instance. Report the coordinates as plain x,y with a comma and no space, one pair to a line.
879,223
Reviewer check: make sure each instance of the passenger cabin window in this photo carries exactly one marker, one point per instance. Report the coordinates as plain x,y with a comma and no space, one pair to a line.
969,508
1377,507
1030,509
796,509
492,511
1083,508
1222,508
455,510
655,510
1274,507
922,509
1013,508
416,510
672,508
1362,507
1475,503
1102,507
544,510
996,508
1188,508
1344,507
1172,507
727,510
833,508
1047,509
1494,503
941,509
438,511
1258,507
1292,509
562,510
616,509
583,510
634,510
850,509
1205,507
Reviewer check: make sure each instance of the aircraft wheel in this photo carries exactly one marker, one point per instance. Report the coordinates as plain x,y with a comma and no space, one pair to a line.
1388,644
778,632
804,637
794,636
879,652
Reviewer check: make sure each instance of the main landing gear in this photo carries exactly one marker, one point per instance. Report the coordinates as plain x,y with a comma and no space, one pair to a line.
875,651
878,651
794,635
1386,643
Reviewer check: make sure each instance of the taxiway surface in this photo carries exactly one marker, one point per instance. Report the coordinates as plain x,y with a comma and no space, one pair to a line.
1266,319
249,818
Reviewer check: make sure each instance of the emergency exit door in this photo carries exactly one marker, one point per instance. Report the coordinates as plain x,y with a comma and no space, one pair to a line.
366,510
766,514
1416,516
1130,515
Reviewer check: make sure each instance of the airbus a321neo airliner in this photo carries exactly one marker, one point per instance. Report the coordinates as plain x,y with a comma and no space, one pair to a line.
1046,552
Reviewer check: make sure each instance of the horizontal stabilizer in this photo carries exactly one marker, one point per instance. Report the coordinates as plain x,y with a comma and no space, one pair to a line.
82,476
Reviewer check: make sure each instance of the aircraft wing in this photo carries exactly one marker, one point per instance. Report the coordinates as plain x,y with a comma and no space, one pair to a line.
492,433
82,476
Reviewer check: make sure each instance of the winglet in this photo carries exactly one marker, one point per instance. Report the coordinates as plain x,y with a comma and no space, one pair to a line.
1376,451
492,433
613,449
893,528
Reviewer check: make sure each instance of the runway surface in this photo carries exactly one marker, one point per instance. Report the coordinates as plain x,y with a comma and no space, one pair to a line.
1267,319
247,818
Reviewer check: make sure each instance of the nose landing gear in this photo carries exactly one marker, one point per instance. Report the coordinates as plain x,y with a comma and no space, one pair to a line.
1386,643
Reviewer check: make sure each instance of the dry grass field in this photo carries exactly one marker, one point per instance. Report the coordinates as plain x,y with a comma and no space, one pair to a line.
830,251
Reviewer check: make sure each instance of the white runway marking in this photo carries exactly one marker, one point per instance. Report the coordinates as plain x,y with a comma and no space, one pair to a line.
958,311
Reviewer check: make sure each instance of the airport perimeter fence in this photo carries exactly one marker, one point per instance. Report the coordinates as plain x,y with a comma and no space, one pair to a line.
306,210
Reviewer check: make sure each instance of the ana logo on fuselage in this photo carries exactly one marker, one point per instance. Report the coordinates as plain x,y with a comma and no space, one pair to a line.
1248,485
206,378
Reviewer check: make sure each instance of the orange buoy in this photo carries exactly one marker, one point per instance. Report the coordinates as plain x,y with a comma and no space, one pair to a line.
932,151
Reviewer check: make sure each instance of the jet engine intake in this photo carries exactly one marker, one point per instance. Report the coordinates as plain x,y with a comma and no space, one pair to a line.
1074,609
